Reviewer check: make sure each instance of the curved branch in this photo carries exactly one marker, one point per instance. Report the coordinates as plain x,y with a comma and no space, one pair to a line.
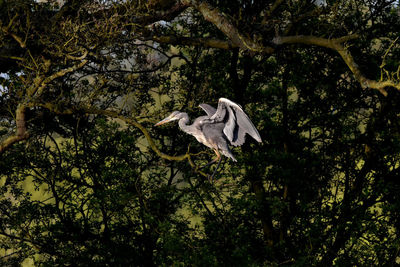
39,84
149,139
6,30
130,121
61,73
217,18
337,45
136,124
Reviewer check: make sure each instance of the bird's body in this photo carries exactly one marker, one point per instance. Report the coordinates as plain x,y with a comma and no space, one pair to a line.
211,135
226,124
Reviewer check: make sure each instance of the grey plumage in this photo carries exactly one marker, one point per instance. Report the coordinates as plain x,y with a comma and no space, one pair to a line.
208,109
226,124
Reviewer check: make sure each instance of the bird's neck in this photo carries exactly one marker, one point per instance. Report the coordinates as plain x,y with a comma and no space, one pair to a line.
183,122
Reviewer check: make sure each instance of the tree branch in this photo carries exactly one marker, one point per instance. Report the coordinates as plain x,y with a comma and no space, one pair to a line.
216,17
130,121
21,132
40,83
60,73
149,139
204,42
166,15
337,45
6,30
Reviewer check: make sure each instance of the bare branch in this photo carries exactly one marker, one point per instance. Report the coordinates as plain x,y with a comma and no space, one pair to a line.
166,15
130,121
41,83
149,139
312,40
7,30
337,45
216,17
204,42
21,132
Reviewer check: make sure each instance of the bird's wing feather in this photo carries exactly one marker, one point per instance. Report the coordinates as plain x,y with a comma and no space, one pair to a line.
245,125
239,136
208,109
237,123
230,125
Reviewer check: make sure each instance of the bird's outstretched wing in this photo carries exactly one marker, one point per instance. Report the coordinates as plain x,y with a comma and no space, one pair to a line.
208,109
237,123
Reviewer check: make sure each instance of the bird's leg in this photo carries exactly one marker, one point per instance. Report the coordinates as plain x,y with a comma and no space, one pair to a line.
214,160
219,158
215,171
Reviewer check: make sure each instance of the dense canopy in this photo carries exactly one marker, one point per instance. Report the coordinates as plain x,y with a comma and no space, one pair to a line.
86,179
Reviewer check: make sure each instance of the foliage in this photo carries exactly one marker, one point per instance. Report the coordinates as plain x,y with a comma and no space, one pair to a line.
85,178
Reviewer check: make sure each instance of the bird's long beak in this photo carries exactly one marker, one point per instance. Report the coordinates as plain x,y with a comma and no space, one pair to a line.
167,119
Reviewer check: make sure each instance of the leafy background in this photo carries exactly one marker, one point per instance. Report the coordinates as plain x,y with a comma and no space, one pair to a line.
94,183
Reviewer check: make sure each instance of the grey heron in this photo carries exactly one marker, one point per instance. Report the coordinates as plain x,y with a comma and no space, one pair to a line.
226,124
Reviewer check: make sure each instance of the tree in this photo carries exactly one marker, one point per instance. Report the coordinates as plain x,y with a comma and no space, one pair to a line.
83,82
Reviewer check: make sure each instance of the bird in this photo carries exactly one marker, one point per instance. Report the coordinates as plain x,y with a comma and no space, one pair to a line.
228,124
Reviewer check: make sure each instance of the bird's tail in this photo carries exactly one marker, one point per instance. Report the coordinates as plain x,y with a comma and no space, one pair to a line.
228,154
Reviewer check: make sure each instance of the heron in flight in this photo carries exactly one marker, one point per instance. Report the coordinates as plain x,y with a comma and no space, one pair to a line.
226,124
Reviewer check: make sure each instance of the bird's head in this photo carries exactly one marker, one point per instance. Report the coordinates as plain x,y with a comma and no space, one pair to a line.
172,117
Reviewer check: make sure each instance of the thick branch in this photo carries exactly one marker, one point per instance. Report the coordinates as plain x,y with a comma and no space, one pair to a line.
313,40
166,15
204,42
217,18
59,74
6,30
40,83
37,87
21,132
337,45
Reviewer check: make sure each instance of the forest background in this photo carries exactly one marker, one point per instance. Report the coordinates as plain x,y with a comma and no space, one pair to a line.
86,179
